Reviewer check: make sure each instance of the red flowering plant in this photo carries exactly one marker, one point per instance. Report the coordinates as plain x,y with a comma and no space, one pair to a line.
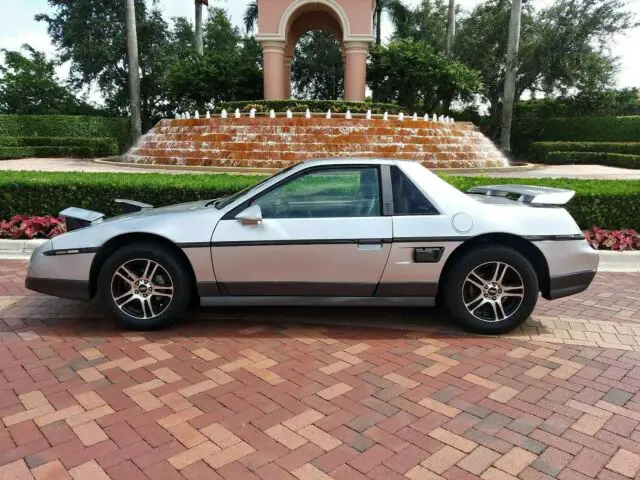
23,227
620,240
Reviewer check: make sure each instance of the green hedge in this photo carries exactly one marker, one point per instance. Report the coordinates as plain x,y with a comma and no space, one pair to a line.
543,148
315,106
620,160
592,129
67,126
608,204
55,151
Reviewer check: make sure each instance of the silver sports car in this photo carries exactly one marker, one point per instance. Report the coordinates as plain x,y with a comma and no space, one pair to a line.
327,232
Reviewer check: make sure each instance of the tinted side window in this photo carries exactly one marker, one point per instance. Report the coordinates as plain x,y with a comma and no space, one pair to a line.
343,192
407,199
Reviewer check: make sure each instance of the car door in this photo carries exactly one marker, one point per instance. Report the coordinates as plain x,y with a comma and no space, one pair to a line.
423,239
319,232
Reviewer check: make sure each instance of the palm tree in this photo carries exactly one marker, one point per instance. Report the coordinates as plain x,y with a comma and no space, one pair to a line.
508,96
251,16
198,35
134,70
451,27
395,9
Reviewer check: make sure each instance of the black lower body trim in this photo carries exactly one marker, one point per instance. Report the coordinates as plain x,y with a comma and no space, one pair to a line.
566,285
297,289
72,289
415,289
208,289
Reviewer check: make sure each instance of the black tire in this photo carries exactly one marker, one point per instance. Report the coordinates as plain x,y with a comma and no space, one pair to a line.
172,271
486,319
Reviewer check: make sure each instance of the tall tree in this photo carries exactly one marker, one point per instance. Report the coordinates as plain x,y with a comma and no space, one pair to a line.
198,33
563,48
451,27
397,12
29,85
413,75
318,69
134,70
250,16
510,75
91,36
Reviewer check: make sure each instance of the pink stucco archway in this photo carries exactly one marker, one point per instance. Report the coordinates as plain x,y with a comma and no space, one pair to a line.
281,23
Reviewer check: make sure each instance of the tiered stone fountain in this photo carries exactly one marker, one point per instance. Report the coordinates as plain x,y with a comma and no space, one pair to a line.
277,141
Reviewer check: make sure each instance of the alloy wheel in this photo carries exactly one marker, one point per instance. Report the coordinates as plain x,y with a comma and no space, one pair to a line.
142,288
493,291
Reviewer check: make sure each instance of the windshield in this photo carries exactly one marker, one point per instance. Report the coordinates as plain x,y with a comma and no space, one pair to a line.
232,198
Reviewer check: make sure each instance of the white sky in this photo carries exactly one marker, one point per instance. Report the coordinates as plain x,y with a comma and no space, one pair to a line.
17,27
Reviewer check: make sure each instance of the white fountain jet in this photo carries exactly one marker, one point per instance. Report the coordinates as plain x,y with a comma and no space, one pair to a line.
401,117
252,113
328,114
348,115
441,118
188,116
385,116
224,113
426,117
208,115
272,113
368,115
197,114
237,113
435,117
177,116
307,114
289,114
415,117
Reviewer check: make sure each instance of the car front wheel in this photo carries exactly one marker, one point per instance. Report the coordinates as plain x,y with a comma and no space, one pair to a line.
145,286
491,290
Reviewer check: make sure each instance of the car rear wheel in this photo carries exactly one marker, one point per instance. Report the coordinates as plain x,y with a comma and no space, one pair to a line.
491,290
145,286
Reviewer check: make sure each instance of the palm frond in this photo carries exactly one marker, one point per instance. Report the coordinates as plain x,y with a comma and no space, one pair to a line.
250,16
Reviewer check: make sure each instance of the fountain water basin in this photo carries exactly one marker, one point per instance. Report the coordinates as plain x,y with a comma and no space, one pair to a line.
273,143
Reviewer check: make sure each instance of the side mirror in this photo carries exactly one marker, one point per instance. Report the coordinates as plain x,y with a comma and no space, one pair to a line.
251,215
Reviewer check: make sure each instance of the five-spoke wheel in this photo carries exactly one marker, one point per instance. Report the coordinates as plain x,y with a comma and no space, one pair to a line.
491,290
142,288
145,286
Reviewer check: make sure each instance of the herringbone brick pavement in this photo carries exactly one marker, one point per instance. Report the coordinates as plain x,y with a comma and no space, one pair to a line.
315,394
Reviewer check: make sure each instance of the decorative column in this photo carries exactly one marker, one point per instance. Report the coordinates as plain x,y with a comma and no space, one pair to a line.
287,76
274,70
355,70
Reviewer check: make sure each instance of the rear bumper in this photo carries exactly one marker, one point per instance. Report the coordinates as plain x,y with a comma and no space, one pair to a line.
565,285
72,289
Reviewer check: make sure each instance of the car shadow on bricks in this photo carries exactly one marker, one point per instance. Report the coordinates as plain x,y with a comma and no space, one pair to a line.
42,312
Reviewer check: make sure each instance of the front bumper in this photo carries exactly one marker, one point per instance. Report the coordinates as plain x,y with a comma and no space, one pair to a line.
569,284
72,289
65,276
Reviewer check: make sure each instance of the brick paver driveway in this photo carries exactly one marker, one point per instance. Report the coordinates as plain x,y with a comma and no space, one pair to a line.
289,393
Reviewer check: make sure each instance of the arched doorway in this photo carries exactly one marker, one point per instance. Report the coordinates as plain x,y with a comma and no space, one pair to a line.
283,22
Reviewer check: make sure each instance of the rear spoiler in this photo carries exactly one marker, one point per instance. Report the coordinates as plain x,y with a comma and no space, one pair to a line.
527,194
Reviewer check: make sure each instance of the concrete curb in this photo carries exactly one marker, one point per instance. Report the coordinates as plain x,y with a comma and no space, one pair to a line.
609,261
18,247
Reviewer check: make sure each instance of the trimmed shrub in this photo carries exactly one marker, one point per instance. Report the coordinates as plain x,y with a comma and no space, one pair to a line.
593,158
541,149
315,106
67,126
88,151
22,147
610,204
593,129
